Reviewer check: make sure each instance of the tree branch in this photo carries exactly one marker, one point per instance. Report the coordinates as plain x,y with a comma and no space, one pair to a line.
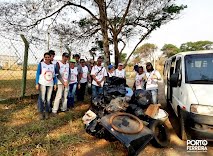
123,18
82,7
123,46
143,37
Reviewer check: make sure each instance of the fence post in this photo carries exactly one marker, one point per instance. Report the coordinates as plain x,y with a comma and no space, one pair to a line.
24,75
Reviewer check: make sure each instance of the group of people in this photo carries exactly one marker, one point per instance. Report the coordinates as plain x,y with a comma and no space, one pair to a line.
60,81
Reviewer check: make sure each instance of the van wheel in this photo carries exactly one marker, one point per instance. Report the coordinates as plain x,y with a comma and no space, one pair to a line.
182,132
161,134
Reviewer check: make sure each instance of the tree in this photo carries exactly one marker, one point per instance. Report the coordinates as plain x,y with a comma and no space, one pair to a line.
195,46
112,20
146,51
170,50
123,57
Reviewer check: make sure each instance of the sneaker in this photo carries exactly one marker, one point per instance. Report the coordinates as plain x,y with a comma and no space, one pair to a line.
46,115
41,116
54,114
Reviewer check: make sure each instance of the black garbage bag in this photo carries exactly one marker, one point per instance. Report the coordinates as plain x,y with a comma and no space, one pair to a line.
142,98
115,81
98,105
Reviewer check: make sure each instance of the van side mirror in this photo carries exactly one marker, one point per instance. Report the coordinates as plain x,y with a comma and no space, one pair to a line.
174,78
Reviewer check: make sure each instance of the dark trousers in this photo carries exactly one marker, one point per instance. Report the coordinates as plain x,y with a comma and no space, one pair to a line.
81,91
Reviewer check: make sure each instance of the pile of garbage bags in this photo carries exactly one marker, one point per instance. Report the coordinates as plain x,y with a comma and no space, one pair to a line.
118,98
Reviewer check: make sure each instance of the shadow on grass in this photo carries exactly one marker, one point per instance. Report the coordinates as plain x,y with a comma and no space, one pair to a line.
34,136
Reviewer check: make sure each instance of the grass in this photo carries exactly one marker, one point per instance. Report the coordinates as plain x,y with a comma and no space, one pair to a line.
22,133
11,82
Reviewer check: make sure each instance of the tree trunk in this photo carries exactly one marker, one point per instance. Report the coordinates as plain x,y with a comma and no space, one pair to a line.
116,51
104,30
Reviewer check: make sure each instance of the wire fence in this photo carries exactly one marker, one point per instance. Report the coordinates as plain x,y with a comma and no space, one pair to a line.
11,69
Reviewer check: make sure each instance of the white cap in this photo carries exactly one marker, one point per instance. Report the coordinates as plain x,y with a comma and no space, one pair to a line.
120,64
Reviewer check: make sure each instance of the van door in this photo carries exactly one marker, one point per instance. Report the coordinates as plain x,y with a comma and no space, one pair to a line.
170,71
176,91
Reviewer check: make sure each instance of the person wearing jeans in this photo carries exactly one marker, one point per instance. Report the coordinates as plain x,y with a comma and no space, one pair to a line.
62,72
152,77
98,74
83,82
73,83
45,80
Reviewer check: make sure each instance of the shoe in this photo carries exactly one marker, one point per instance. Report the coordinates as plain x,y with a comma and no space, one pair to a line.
54,114
46,115
41,116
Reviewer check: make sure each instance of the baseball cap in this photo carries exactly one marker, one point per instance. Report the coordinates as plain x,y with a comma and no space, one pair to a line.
120,64
110,66
72,61
65,54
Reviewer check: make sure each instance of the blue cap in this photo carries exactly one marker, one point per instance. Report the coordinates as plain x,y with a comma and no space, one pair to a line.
110,66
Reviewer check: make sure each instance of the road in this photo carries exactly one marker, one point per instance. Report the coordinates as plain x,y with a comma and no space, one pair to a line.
177,147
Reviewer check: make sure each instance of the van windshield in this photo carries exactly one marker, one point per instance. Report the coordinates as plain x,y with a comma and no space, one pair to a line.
199,68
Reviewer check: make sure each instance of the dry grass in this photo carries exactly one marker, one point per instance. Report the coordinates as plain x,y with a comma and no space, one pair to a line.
11,83
22,133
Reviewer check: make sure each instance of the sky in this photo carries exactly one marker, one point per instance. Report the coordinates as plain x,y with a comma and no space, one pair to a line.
195,23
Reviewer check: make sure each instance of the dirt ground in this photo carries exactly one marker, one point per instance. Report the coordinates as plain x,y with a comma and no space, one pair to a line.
177,147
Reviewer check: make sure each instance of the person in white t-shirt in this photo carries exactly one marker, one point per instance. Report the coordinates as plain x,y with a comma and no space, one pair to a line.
63,73
152,77
111,70
98,74
45,81
120,72
73,82
139,79
83,81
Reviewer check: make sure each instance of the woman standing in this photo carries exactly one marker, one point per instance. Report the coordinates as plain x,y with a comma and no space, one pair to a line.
139,79
152,81
45,80
72,83
83,82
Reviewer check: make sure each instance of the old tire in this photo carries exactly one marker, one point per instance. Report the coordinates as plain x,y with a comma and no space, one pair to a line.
161,134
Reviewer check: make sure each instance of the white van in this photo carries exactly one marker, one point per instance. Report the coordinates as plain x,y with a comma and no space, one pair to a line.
188,79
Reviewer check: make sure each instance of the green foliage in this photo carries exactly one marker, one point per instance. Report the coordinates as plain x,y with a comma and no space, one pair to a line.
145,49
170,50
123,57
195,46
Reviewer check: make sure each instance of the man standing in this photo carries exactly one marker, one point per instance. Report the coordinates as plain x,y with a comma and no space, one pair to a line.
120,72
62,72
98,74
83,82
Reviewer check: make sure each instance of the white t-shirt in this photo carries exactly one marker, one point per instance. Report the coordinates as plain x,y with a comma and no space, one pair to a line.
120,73
84,74
139,82
152,83
73,76
47,74
64,71
99,72
111,74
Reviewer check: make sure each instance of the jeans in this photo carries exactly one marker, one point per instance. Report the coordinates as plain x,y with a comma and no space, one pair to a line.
71,95
154,96
45,96
62,93
81,91
96,90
